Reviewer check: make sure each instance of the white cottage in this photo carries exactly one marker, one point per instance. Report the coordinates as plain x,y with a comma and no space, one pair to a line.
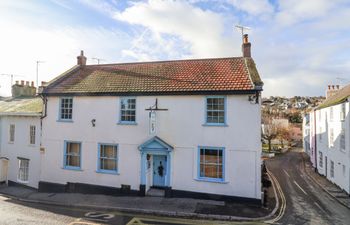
184,128
20,136
330,137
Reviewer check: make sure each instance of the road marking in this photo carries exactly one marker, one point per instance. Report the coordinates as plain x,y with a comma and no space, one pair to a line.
286,173
135,221
300,187
277,186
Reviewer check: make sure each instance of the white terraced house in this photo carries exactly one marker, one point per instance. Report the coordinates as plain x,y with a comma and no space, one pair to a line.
330,137
185,128
20,136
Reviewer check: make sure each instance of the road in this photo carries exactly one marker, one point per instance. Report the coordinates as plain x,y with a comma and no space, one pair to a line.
306,202
20,213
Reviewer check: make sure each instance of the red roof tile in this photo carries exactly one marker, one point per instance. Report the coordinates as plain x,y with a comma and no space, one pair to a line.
221,74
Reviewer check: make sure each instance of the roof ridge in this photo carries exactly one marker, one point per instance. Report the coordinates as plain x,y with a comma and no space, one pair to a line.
165,61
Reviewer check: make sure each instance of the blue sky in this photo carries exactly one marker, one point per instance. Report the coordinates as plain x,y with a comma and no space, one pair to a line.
299,46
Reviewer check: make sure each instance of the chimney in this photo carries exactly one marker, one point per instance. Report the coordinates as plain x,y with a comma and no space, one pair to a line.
246,46
332,89
21,90
41,88
81,59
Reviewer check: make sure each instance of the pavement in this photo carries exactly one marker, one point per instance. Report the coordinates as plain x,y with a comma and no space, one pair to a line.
305,201
158,206
333,190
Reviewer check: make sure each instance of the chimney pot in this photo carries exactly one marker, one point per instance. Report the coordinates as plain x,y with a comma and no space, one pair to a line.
245,38
333,87
22,82
27,83
337,87
32,84
17,82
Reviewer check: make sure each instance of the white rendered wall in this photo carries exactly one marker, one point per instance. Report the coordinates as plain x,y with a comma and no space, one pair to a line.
21,147
181,126
334,152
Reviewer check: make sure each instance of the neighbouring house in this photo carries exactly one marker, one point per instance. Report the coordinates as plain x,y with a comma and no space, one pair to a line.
185,128
330,137
20,136
306,134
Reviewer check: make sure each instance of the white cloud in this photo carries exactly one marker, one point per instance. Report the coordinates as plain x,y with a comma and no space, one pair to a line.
21,46
293,11
201,30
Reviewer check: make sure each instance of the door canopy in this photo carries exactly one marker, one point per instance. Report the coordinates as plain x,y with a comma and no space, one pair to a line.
155,144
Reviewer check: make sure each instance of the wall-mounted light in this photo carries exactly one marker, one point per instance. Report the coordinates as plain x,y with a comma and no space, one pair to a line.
93,122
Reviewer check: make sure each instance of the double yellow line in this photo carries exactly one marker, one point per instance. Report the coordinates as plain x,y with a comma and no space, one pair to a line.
282,207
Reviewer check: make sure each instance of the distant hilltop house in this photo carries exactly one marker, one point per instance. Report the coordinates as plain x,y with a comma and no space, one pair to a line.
186,128
20,136
326,136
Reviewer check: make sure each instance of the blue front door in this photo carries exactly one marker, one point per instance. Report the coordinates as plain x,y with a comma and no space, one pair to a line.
159,170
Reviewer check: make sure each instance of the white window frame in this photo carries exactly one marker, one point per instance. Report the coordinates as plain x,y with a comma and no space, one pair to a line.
342,144
23,170
320,159
332,169
331,136
331,114
12,132
32,134
342,112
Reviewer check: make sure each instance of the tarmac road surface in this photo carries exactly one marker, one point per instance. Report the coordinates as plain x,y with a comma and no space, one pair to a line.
306,202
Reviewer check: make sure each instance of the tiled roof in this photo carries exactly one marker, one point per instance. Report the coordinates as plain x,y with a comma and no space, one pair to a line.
339,97
21,106
220,74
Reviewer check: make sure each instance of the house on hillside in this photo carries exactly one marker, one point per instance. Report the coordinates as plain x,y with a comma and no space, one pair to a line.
183,128
330,137
20,136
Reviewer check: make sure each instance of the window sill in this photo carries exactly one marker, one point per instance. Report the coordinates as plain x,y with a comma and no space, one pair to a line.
11,142
72,168
126,123
65,121
215,125
211,180
32,145
112,172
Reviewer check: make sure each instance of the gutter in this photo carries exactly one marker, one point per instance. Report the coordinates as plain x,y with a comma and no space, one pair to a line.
19,114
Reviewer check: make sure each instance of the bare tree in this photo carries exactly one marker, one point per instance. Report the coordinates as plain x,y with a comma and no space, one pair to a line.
269,130
282,135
